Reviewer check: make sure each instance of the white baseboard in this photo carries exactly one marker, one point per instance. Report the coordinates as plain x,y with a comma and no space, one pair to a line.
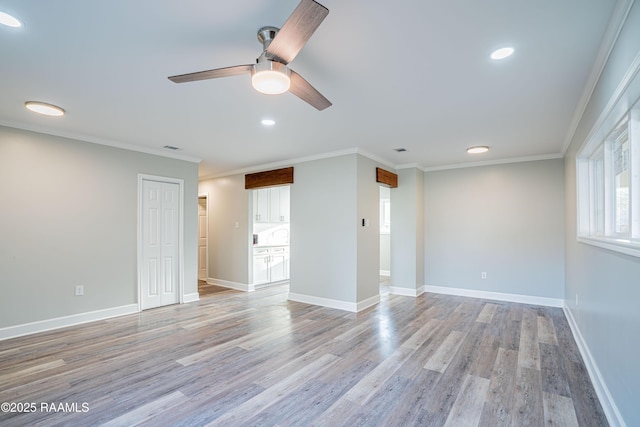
498,296
246,287
187,298
407,292
63,322
369,302
606,400
333,303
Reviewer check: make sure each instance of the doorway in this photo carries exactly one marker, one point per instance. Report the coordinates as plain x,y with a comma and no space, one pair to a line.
160,241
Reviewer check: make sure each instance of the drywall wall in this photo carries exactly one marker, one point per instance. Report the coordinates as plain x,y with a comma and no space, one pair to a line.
505,220
229,225
385,237
607,283
324,233
368,196
69,217
407,225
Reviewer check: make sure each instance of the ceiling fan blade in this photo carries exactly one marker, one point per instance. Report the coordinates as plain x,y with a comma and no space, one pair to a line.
297,30
303,90
212,74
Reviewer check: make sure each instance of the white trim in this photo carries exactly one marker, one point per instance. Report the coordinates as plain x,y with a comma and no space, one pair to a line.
386,273
290,162
371,156
616,22
498,296
493,162
65,321
611,245
283,163
100,141
624,84
369,302
334,303
191,298
144,177
409,166
408,292
245,287
606,400
204,196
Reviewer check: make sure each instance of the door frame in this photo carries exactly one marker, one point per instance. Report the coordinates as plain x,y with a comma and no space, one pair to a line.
180,182
205,196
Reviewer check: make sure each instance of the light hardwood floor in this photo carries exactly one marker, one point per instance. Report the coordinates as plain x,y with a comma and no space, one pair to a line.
256,359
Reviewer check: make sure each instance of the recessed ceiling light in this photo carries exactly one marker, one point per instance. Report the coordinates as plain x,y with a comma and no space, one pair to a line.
478,149
268,122
43,108
502,53
9,21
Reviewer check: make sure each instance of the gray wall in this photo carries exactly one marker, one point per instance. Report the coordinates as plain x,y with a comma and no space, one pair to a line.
505,220
607,283
69,217
368,197
228,245
324,233
407,225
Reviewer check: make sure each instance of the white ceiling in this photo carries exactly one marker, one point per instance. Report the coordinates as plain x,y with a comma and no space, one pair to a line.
412,74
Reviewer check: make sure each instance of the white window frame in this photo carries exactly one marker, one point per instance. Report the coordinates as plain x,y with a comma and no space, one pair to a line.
596,194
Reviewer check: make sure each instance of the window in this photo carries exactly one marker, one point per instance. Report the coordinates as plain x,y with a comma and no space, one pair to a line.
609,186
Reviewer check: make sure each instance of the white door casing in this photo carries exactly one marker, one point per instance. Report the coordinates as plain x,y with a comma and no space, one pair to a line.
202,238
160,242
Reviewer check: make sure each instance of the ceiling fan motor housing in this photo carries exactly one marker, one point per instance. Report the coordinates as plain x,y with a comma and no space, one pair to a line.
266,36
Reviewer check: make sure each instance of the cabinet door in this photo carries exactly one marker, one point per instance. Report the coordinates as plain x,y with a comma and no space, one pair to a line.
279,204
260,269
261,211
284,203
277,266
274,204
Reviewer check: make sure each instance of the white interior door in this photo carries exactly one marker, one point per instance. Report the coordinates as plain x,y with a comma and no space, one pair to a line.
202,238
160,243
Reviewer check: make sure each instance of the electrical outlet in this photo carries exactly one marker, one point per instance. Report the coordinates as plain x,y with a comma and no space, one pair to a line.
483,275
79,290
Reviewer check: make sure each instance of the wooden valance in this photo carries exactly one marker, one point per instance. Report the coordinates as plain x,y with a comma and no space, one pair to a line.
386,177
268,178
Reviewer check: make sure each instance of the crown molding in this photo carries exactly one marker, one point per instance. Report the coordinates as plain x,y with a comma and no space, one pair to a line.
616,22
289,162
100,141
495,162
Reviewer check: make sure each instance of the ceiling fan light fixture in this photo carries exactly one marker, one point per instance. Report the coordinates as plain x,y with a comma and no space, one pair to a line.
44,108
270,77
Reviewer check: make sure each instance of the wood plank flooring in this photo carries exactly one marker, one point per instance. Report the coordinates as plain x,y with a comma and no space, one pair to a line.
256,359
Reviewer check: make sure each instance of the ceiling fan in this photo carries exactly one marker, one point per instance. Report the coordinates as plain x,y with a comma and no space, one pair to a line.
270,74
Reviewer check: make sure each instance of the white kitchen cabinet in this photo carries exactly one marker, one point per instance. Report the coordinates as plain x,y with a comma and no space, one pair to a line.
270,264
279,263
279,204
271,205
261,208
261,266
